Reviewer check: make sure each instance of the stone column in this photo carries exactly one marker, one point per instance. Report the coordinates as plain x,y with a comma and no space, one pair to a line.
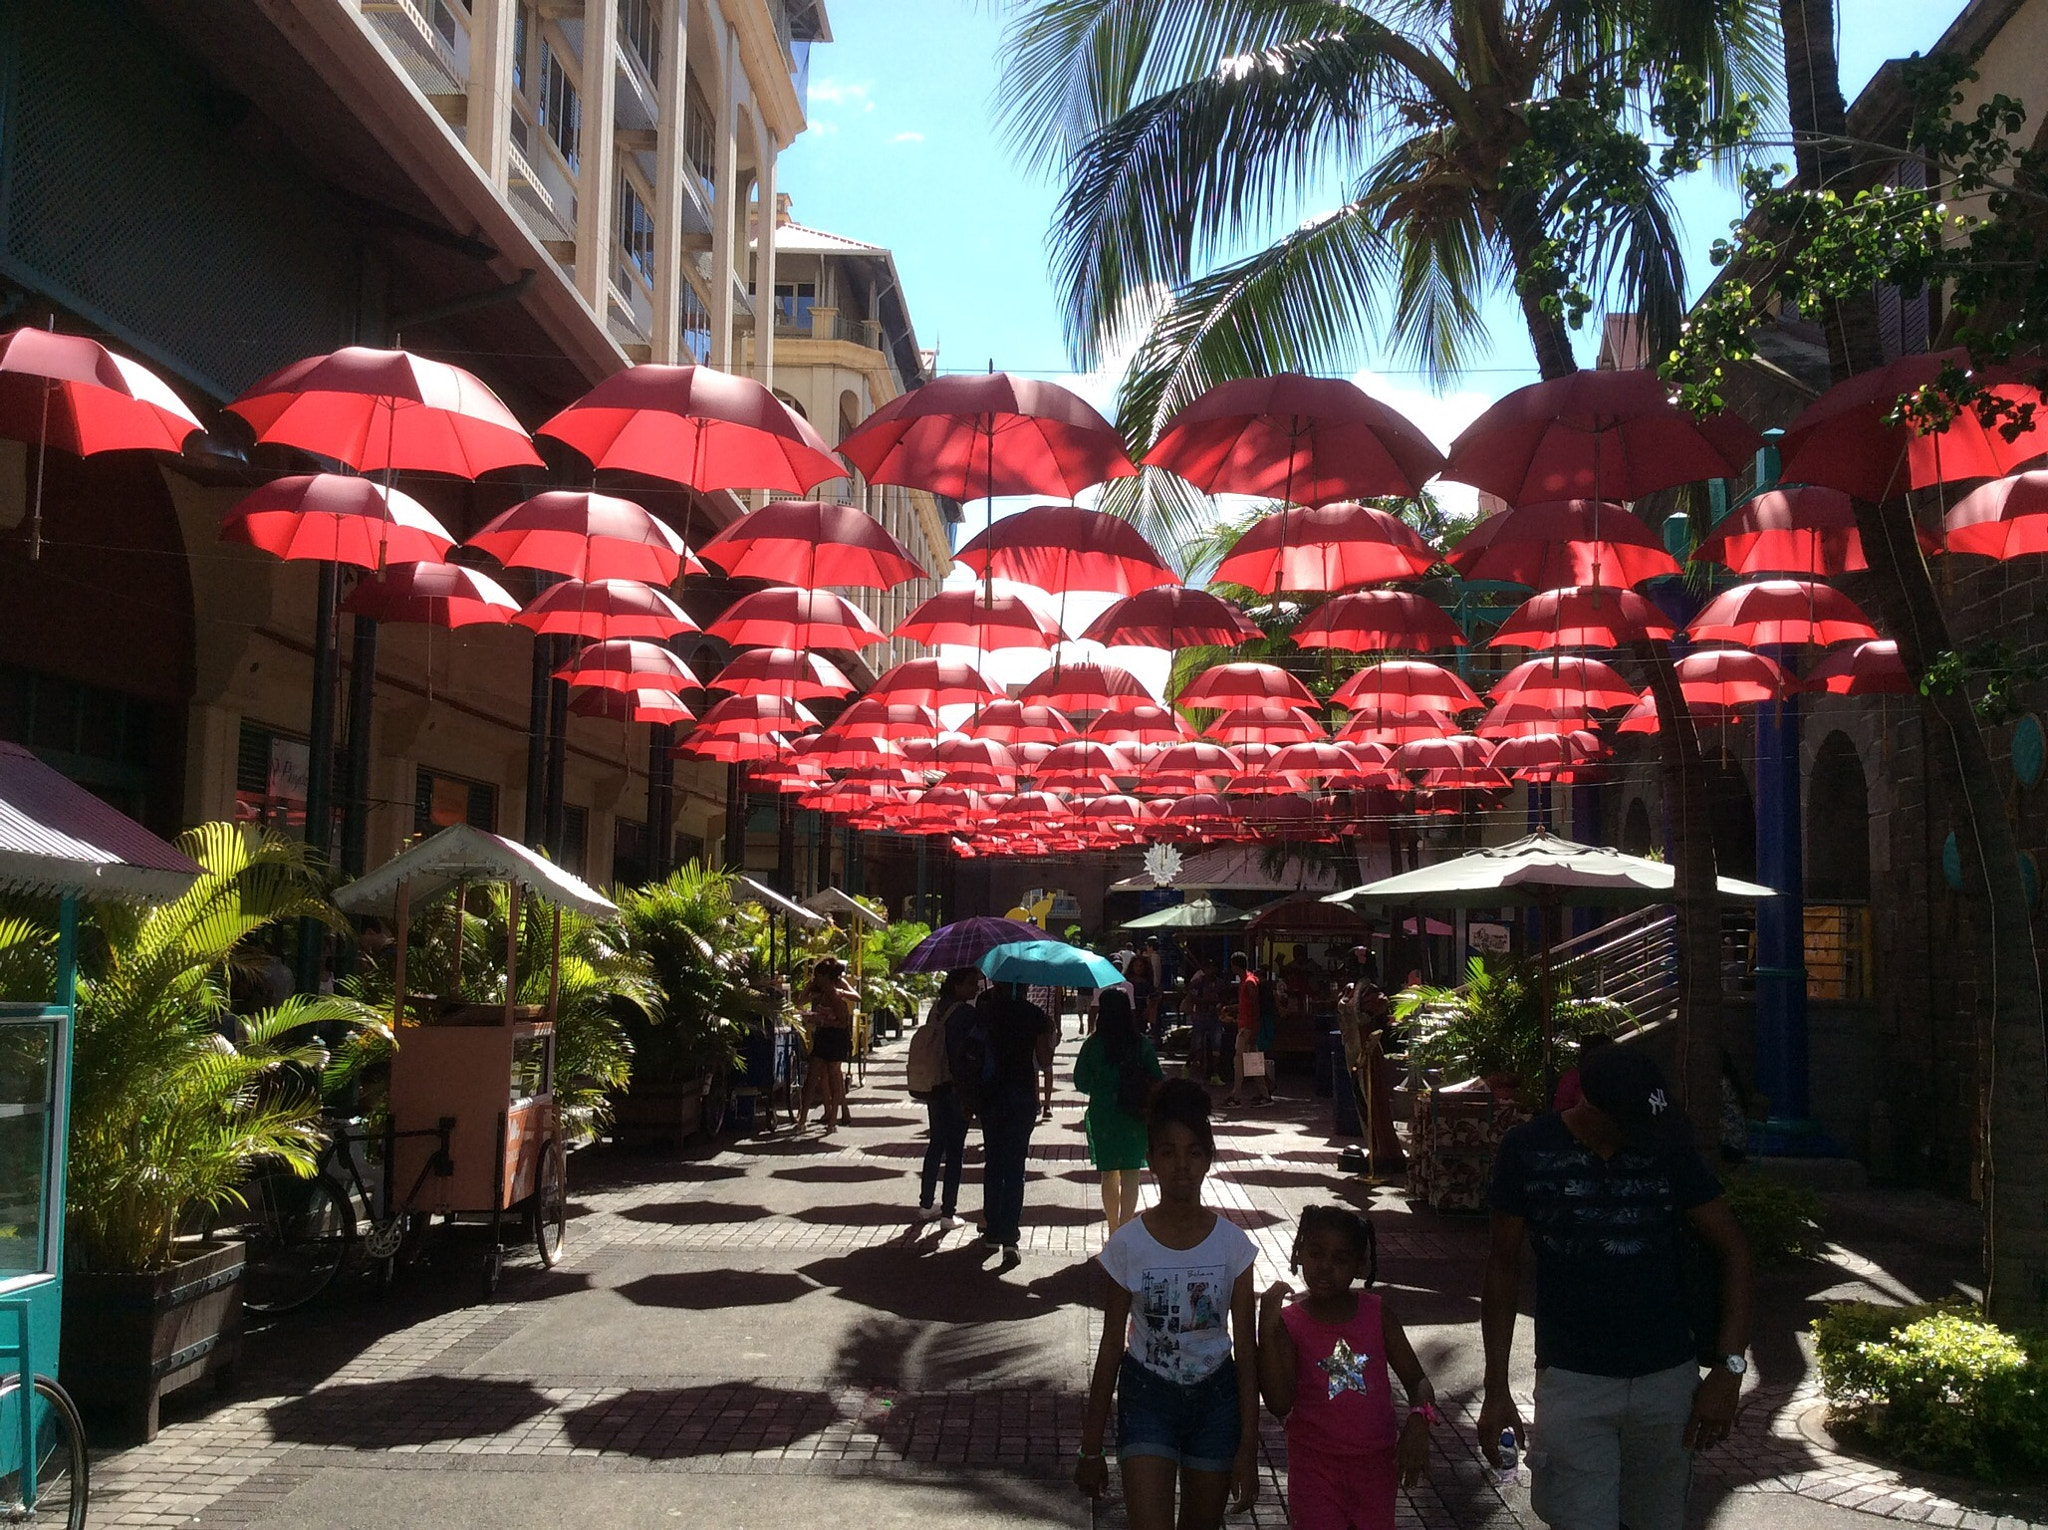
487,131
669,171
594,168
764,257
725,225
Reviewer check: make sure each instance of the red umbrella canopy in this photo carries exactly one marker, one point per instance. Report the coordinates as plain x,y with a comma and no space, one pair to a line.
834,750
1643,716
1396,729
934,683
1196,757
1853,437
1460,755
1314,758
1303,440
872,717
1804,529
1139,725
1088,688
1241,685
753,717
1172,616
968,437
957,751
972,619
1612,434
1730,677
781,672
1781,611
1545,751
1569,542
732,749
1115,807
1583,616
433,595
1265,725
607,608
1519,718
1414,681
74,394
696,426
1368,621
1064,547
336,518
788,618
1330,548
1868,669
583,535
1566,682
1028,807
829,544
630,664
646,706
383,410
1085,756
2003,518
1014,722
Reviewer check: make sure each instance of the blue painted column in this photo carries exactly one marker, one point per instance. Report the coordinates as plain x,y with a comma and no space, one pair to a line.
1781,921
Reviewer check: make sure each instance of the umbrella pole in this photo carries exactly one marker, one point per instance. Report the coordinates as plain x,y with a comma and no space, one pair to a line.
1549,1069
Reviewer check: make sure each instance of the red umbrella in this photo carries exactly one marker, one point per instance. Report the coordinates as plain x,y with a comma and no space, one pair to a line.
647,706
1367,621
834,750
432,594
1853,437
1567,542
1565,682
1302,440
583,535
1088,688
787,618
608,608
1582,616
335,518
731,749
1767,612
380,411
1613,434
976,619
1195,757
74,394
1397,729
1139,725
872,717
829,544
1415,681
2003,518
1057,548
1087,757
629,664
1316,759
1518,718
1115,808
1644,718
1172,616
1331,548
696,426
1028,808
1536,753
1804,529
1730,677
754,716
781,672
972,437
1238,685
934,683
1265,725
1013,722
958,751
1868,669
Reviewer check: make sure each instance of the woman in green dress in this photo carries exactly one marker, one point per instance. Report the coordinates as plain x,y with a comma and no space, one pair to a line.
1117,1069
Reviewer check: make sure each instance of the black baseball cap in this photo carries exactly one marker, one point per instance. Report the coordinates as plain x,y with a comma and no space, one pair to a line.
1628,1087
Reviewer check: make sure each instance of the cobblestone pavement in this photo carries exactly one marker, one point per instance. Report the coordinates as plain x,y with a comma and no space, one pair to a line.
761,1330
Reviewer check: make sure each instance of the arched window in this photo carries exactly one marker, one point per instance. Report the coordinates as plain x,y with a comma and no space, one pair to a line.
1838,825
1733,817
1635,828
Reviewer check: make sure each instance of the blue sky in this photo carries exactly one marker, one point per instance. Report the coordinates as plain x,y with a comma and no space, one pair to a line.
904,151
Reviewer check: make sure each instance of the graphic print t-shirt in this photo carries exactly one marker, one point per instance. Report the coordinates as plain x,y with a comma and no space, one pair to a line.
1180,1297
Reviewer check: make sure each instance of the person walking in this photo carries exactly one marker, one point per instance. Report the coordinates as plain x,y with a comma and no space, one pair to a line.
1178,1353
1207,1034
1142,973
1006,1048
1117,1069
1250,1020
1603,1191
931,1076
830,1004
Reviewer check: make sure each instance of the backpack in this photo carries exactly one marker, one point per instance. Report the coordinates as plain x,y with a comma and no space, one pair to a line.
974,1065
927,1069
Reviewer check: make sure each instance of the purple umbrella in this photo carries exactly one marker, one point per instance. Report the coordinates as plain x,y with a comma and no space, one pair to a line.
965,942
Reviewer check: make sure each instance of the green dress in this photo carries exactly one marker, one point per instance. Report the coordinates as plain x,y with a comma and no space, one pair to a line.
1116,1138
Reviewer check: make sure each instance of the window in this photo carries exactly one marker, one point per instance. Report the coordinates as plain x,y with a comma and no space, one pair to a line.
561,109
793,304
575,838
630,845
636,228
523,30
700,143
640,30
696,321
439,801
97,737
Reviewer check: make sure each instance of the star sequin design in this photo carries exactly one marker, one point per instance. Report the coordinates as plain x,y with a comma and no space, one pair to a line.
1346,1369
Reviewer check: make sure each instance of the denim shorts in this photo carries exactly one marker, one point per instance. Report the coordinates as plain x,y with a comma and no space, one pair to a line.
1197,1425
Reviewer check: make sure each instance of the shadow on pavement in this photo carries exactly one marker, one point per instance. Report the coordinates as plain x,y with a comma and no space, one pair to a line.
410,1410
1288,1179
836,1173
707,1289
937,1357
679,1423
695,1213
951,1286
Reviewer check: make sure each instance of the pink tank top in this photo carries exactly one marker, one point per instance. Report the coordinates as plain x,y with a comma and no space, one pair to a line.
1343,1405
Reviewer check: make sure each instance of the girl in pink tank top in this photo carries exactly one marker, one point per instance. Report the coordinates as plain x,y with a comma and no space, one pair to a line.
1323,1367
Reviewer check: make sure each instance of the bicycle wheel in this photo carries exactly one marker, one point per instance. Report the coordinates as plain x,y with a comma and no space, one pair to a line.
298,1233
550,1207
61,1485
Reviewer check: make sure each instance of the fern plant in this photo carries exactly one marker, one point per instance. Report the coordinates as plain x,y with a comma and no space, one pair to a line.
708,954
1493,1026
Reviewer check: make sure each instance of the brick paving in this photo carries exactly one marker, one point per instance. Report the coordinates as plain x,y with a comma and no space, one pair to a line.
926,1387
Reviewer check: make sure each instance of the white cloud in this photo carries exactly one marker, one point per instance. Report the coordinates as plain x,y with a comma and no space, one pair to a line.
908,138
827,91
1440,416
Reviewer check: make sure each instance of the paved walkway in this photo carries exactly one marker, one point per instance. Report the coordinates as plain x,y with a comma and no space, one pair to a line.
754,1334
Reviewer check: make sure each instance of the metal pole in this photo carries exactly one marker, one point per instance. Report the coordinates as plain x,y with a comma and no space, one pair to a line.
558,757
661,801
320,764
362,703
536,828
1781,1024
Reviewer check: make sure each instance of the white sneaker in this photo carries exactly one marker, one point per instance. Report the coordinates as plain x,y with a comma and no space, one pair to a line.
947,1221
1010,1251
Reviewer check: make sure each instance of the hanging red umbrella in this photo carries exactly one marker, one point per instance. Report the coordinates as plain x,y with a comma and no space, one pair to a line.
1316,759
1224,686
1855,438
433,595
1414,681
642,706
788,618
1368,621
1139,725
1197,757
1730,677
1115,808
1606,434
781,672
1028,809
1085,757
1057,548
382,411
731,749
834,750
1265,725
1564,681
629,664
1013,722
976,619
753,716
1517,718
934,683
1303,440
1331,548
582,535
872,717
2003,518
607,608
808,544
696,426
1533,755
972,437
1172,616
1768,612
1582,616
74,394
1088,688
1567,542
335,518
1461,762
1804,529
1868,669
958,750
1397,729
1644,718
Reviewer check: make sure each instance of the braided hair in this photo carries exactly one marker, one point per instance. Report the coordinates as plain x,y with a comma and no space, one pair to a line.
1352,1227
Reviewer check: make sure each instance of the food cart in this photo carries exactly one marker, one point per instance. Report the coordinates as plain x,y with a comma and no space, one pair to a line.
473,1132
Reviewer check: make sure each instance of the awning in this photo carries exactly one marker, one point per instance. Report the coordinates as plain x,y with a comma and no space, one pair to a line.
58,840
751,891
462,853
831,901
1539,868
1196,914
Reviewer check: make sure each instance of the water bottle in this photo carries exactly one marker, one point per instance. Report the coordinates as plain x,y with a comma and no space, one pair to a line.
1505,1460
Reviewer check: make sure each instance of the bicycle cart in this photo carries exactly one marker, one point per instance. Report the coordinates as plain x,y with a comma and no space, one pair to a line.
473,1131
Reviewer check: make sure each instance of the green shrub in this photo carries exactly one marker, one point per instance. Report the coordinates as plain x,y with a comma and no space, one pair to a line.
1937,1385
1781,1221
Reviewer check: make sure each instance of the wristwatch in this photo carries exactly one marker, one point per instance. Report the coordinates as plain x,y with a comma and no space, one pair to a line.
1735,1365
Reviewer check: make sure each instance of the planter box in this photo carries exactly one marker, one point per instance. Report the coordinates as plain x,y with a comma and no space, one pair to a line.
129,1339
651,1115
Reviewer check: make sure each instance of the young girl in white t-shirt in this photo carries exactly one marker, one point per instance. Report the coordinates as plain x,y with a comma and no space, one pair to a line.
1178,1340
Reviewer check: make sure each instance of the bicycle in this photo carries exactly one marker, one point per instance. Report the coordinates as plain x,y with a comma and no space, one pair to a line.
43,1468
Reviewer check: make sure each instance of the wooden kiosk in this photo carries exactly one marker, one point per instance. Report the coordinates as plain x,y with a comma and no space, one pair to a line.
474,1133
